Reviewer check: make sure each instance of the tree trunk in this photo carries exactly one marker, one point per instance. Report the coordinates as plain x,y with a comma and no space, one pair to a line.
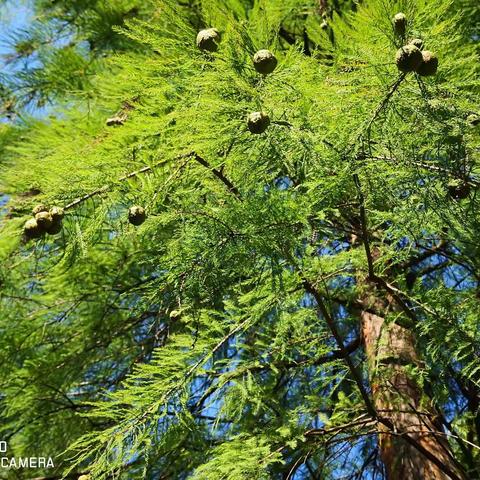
398,397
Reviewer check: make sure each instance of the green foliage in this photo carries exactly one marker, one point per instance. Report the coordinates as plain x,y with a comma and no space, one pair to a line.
189,346
62,48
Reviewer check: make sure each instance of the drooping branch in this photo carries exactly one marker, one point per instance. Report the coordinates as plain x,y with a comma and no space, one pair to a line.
310,288
219,174
367,126
106,188
147,169
473,182
381,106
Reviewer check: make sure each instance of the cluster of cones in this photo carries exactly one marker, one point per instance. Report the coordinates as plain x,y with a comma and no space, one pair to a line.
264,62
50,220
44,221
411,57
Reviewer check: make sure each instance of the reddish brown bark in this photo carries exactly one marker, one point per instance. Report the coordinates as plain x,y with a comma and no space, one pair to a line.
391,354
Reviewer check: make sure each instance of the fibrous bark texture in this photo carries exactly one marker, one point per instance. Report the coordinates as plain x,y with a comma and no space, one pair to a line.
398,397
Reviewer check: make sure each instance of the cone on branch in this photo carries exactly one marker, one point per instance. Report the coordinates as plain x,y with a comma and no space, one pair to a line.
136,215
31,229
264,62
39,208
208,40
400,24
57,213
258,122
55,227
418,42
44,220
409,58
429,64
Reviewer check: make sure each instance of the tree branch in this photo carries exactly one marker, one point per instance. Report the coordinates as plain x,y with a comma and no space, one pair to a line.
106,188
231,187
147,169
371,271
310,288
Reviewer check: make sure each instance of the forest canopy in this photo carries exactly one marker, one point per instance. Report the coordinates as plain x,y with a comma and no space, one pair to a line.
239,239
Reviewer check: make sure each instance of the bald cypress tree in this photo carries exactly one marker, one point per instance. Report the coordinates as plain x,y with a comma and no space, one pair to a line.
243,243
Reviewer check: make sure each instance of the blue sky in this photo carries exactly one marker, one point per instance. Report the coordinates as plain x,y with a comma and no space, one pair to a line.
13,15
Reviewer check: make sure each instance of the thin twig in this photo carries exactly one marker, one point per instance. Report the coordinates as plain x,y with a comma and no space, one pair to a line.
149,168
310,288
381,106
105,188
233,189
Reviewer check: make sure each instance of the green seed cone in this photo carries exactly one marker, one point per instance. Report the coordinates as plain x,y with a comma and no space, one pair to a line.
409,58
136,215
44,220
400,24
31,229
264,62
258,122
429,65
208,39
